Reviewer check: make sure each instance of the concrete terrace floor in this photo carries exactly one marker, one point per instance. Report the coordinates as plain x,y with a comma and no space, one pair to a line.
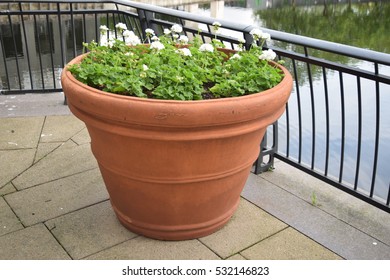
54,205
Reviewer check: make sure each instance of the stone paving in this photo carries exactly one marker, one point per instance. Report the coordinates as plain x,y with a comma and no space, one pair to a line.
54,205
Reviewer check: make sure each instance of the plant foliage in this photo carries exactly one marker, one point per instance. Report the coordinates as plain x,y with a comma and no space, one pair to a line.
171,67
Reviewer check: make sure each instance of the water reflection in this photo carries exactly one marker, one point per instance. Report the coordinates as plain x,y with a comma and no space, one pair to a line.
74,38
33,57
364,25
11,37
44,37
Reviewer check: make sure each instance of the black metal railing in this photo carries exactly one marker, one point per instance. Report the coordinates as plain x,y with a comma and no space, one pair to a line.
336,125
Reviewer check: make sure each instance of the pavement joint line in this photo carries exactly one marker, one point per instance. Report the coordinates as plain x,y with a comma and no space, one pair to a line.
16,176
73,211
249,246
242,256
16,215
55,238
200,241
261,240
50,181
112,246
39,142
61,215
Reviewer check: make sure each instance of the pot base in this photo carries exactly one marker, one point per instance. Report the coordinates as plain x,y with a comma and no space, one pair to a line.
184,232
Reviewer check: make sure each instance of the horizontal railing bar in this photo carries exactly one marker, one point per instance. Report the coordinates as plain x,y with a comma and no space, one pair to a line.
335,66
337,48
28,91
56,12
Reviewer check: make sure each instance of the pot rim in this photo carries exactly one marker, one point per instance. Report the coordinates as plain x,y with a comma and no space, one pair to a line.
85,101
77,59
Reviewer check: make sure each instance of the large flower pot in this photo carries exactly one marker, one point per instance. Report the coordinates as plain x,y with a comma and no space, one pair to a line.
174,170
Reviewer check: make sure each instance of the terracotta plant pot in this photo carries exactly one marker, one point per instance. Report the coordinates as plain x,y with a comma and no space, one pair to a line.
174,170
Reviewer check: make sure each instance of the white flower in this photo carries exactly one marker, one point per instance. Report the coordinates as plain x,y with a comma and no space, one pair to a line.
256,33
149,32
155,38
206,48
103,29
132,41
266,36
103,35
184,51
111,42
128,33
241,40
103,41
121,26
130,38
157,45
167,31
183,39
145,67
175,36
236,56
176,28
268,55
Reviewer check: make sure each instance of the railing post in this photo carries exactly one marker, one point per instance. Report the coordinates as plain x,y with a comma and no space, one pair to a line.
145,19
260,164
248,40
62,41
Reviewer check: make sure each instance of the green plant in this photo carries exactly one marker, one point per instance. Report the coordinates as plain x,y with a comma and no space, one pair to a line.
314,201
171,67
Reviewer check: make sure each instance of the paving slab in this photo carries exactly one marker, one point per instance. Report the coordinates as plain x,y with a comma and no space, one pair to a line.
66,160
8,220
142,248
247,226
89,230
33,105
6,189
32,243
343,239
347,208
289,244
60,128
13,163
59,197
20,133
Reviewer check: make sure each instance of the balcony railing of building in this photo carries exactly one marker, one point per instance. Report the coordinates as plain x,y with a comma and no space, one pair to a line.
337,123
